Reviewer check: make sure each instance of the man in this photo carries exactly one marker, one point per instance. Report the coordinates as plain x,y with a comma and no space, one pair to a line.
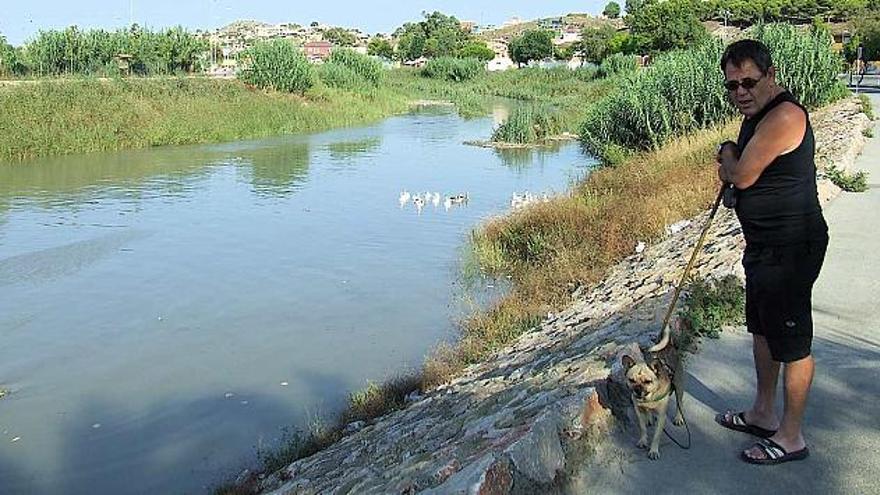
772,169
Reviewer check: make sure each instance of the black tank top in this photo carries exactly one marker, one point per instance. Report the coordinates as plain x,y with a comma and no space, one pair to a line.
782,206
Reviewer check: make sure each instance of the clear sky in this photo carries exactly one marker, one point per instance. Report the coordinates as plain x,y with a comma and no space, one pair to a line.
21,19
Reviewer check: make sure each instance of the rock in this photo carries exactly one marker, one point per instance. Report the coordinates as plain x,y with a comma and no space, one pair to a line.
538,454
353,427
490,475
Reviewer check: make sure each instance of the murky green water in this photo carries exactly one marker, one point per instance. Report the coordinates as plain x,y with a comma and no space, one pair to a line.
164,312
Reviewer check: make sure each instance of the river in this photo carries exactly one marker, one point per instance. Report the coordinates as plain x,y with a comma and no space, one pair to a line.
166,312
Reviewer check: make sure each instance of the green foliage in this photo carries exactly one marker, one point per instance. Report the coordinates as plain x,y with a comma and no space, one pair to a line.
740,12
564,52
528,124
595,42
536,44
856,182
437,35
867,107
277,65
82,116
368,69
453,68
380,47
667,25
682,92
708,306
94,52
805,63
618,64
340,36
867,34
477,50
612,10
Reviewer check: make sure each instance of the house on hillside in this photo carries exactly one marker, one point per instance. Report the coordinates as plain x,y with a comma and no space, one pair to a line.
502,60
317,51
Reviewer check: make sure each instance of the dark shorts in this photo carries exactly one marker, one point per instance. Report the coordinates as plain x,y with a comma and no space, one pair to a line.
779,289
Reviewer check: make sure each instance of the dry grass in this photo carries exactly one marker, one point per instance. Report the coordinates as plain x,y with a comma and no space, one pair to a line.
551,249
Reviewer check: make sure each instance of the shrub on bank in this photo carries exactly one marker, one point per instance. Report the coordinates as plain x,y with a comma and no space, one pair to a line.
454,69
683,91
528,124
277,65
367,68
616,64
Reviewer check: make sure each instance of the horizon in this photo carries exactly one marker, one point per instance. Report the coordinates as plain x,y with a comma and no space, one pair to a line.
22,21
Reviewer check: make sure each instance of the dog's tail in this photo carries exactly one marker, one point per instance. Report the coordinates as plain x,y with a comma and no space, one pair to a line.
664,339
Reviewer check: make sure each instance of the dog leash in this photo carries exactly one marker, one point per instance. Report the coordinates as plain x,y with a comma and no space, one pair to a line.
724,188
686,428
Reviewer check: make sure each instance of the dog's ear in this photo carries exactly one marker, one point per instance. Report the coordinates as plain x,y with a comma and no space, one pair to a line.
656,366
627,361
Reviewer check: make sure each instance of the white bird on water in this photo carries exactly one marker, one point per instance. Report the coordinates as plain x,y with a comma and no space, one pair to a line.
436,199
404,198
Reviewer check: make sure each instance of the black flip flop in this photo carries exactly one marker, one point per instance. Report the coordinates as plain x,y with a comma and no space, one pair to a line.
737,422
774,453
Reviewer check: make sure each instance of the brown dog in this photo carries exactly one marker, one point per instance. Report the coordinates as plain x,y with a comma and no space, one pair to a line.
652,385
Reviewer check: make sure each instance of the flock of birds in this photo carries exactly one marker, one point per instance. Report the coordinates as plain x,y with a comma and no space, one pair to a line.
421,200
518,201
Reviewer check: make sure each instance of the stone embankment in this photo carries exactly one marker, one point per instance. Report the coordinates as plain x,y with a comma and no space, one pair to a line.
525,419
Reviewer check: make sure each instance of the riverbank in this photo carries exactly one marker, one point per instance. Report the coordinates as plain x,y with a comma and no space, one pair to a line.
83,116
55,117
515,416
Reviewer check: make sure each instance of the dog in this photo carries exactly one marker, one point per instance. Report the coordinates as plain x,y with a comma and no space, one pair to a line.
652,383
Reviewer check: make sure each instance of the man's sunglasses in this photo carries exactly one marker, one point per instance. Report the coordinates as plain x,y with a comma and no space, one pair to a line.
747,83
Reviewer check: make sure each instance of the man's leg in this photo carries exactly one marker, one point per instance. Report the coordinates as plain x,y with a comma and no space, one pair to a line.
763,412
798,378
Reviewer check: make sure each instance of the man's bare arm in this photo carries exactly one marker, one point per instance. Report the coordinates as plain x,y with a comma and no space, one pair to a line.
780,132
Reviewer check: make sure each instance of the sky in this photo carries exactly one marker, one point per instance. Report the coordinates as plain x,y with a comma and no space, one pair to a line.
20,20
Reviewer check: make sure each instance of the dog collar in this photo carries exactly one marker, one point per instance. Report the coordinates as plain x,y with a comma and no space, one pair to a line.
658,399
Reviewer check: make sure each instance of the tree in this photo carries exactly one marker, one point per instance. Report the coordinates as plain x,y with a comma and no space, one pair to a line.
661,26
411,44
867,33
612,10
477,50
7,58
436,35
340,36
536,44
380,47
595,42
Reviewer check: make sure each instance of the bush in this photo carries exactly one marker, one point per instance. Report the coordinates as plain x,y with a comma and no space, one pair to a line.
680,93
277,65
805,62
617,64
528,124
454,69
369,69
708,306
683,91
857,182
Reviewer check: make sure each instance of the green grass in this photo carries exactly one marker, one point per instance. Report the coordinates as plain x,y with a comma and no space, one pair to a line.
851,182
81,116
57,117
682,91
867,107
528,124
709,305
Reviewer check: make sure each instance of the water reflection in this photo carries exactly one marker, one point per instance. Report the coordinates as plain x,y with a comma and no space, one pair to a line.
277,170
519,158
349,151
